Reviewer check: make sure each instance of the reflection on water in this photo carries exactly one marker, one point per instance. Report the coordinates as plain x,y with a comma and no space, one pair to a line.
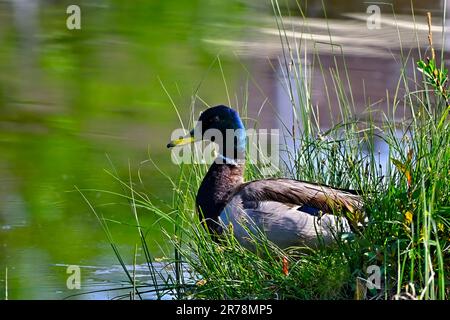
73,103
108,282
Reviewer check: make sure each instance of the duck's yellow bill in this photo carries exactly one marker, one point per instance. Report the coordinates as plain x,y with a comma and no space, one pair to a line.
182,141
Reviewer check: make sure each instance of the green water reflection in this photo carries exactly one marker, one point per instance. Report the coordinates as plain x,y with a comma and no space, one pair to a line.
68,99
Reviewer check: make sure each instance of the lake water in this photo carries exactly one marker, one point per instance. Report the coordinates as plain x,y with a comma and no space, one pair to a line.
74,103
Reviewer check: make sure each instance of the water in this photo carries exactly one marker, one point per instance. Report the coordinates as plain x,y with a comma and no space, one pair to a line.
69,100
74,103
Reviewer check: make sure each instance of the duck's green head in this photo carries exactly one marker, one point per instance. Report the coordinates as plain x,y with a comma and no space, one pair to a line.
219,119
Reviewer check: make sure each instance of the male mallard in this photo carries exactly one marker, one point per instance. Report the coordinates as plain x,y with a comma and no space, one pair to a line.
289,212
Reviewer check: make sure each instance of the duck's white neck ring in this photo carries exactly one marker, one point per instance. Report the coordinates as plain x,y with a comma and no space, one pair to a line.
221,159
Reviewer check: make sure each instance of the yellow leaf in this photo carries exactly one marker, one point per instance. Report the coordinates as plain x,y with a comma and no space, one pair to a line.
400,166
200,283
408,177
408,216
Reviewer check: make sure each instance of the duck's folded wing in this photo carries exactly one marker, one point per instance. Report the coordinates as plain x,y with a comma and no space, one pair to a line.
324,198
284,224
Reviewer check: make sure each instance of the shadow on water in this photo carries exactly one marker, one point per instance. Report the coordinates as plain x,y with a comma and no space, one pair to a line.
74,103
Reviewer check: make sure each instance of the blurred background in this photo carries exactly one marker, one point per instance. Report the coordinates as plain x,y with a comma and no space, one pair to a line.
74,103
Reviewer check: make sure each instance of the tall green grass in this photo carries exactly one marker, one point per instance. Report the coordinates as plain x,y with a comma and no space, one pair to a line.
406,200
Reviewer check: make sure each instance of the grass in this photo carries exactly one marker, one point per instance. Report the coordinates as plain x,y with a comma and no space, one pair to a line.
407,199
6,283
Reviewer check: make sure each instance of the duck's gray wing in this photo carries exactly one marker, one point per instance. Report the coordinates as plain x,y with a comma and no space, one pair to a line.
324,198
289,212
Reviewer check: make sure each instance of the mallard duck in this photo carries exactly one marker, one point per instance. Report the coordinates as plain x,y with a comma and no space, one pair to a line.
289,212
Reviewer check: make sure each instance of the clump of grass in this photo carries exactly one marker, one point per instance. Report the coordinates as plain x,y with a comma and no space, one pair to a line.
407,202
